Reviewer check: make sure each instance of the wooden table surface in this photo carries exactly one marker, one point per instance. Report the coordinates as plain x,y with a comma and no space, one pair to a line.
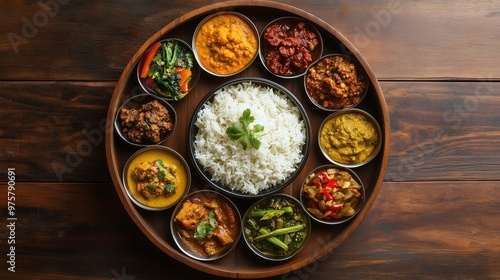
436,216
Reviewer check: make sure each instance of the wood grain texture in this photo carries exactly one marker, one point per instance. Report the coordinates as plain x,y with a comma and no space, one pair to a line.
401,39
439,130
411,232
444,131
240,263
436,214
54,131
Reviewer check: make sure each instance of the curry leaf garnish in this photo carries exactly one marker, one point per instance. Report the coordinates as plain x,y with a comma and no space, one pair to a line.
242,133
206,227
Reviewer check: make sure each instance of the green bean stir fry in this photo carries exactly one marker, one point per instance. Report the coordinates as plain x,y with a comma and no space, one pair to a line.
276,226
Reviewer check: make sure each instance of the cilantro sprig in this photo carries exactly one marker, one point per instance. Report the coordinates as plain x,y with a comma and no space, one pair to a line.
242,133
206,227
169,187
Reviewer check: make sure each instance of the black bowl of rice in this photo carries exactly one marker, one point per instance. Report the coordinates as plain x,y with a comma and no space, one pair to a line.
249,137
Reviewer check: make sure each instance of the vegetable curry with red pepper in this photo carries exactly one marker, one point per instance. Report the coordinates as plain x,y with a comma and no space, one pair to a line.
332,194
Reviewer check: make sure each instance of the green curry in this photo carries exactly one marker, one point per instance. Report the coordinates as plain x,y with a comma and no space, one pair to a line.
349,138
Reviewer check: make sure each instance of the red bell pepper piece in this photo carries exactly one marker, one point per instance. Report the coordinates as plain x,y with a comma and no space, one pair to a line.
335,207
150,82
148,58
319,196
326,193
332,184
323,177
185,75
317,183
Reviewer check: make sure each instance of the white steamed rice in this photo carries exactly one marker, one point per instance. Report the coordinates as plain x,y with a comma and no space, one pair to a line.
252,170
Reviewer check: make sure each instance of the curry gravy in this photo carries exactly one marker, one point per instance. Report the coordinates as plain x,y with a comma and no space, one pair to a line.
168,158
226,43
349,138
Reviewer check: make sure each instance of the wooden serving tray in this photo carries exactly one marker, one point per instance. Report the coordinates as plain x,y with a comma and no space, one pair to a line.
241,262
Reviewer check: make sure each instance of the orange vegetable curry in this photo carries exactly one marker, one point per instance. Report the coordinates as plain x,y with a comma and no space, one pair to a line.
226,43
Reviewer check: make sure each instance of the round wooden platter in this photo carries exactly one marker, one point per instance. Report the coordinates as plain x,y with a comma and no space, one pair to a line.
241,262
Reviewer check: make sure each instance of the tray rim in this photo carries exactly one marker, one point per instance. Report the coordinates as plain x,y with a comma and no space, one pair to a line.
213,268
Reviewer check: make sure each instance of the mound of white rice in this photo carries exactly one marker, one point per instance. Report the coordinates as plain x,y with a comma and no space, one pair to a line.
251,170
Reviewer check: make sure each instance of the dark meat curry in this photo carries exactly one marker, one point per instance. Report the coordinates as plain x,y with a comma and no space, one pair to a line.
291,46
148,124
335,82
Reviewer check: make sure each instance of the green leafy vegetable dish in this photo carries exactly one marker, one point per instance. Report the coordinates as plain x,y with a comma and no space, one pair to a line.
276,227
168,69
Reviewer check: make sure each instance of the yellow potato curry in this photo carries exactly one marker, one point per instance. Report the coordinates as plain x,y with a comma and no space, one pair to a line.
157,178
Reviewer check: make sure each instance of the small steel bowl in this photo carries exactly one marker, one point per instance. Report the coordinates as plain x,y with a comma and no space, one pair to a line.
150,154
289,23
252,225
148,85
136,102
331,74
311,204
179,232
197,44
342,141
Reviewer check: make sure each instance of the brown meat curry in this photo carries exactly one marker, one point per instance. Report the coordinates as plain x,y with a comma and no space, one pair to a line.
207,225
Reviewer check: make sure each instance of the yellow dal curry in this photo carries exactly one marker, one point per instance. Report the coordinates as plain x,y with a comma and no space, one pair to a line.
226,44
169,159
349,138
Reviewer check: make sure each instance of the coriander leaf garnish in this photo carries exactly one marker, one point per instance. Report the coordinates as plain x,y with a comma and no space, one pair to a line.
162,172
246,118
169,188
236,132
206,227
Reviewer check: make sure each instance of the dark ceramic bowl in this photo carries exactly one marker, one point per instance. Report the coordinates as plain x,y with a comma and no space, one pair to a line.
227,217
152,87
152,154
343,206
219,33
135,103
287,99
349,144
328,86
280,51
284,246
